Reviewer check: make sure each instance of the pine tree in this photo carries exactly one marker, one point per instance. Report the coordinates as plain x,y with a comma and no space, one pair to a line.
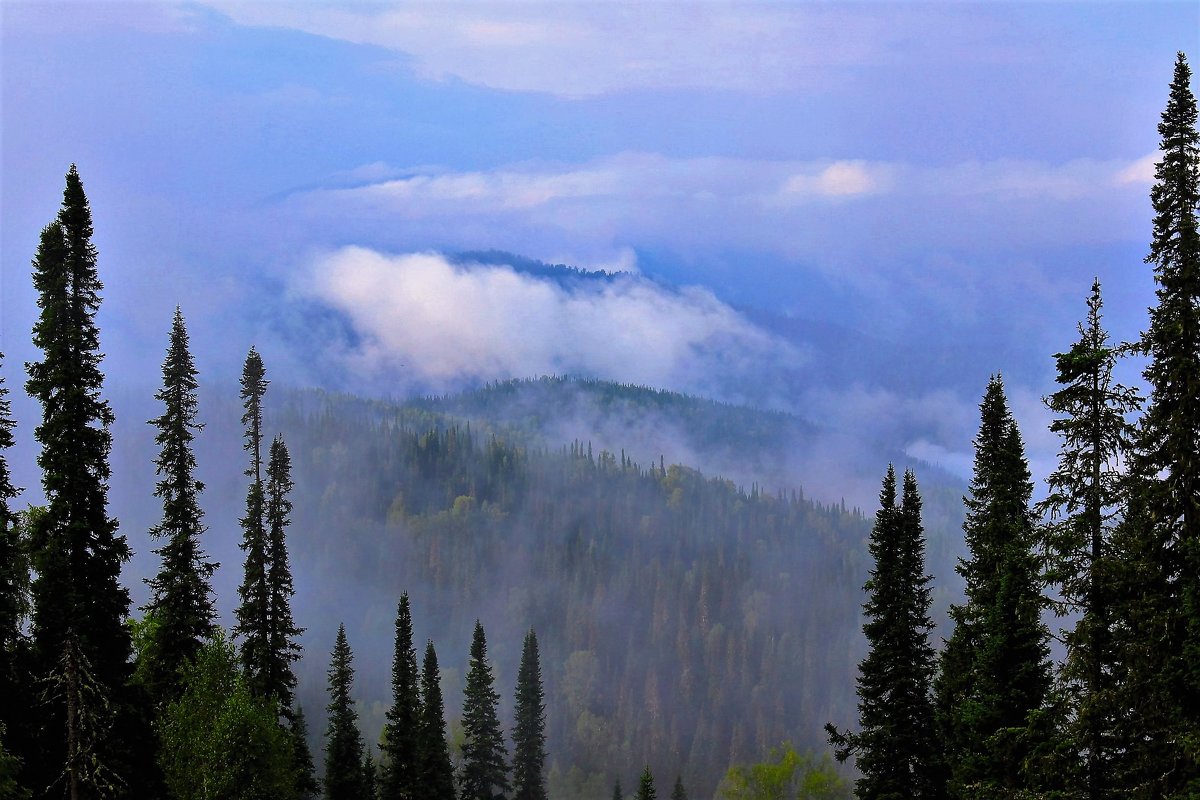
254,614
435,773
401,732
995,674
646,785
79,603
306,784
283,649
1159,633
895,745
343,742
484,774
1086,492
181,594
679,793
529,733
370,776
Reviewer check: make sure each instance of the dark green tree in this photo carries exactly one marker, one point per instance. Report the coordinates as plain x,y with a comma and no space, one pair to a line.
343,742
679,793
181,594
253,614
1159,542
995,673
529,730
14,583
617,791
435,773
895,745
401,732
1085,497
306,784
79,603
483,774
646,785
283,650
370,776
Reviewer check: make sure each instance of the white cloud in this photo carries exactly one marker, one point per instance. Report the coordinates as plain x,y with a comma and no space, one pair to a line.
1140,172
423,319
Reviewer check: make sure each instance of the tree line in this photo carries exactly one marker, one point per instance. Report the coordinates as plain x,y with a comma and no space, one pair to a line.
1117,553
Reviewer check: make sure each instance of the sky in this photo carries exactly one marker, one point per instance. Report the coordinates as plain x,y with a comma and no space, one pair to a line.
943,179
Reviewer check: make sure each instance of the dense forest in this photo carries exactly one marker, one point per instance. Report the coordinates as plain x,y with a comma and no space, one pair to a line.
612,619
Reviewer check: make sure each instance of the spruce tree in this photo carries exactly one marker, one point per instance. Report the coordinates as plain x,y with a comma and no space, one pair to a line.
679,793
282,648
79,604
617,795
646,785
895,745
1086,491
484,774
307,786
529,732
14,580
181,601
435,773
254,613
1158,638
995,674
370,776
343,742
401,732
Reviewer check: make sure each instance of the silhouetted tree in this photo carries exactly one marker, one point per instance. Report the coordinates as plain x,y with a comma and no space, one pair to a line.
283,649
306,784
343,742
484,774
435,773
529,733
254,612
401,732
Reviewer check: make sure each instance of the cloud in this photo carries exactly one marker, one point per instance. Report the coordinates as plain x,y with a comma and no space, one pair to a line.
1140,172
424,321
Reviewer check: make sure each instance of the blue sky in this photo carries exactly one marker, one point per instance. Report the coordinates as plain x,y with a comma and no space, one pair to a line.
943,177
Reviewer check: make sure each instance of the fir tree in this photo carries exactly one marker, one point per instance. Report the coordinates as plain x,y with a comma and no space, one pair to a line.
895,745
484,774
370,776
181,594
283,649
306,784
1085,494
435,773
646,785
529,733
14,578
1159,636
79,603
254,613
994,673
343,742
401,732
679,793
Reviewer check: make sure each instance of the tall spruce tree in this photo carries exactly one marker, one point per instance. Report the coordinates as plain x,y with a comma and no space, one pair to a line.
79,603
1086,491
254,612
306,784
1158,638
483,774
529,731
434,770
401,732
370,776
181,602
14,580
282,648
645,789
343,742
995,674
896,746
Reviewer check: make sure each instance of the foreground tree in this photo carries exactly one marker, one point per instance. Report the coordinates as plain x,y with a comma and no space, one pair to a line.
79,603
401,732
994,670
895,746
646,786
306,784
435,779
254,613
1158,635
343,742
484,774
1086,492
529,733
283,650
14,585
181,593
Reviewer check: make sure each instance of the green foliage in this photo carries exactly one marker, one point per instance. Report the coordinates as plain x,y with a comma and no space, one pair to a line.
484,773
370,776
785,775
219,741
896,748
306,784
401,734
343,742
435,775
279,681
529,731
254,613
994,669
181,593
678,792
14,611
646,786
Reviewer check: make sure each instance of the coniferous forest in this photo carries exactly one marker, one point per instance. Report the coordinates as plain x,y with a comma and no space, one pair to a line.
541,619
